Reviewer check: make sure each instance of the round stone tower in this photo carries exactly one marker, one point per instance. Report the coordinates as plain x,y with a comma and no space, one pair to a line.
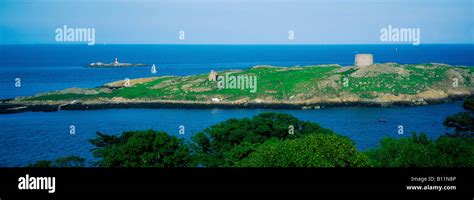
363,60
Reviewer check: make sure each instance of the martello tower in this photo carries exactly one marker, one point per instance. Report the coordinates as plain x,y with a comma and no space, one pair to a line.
363,60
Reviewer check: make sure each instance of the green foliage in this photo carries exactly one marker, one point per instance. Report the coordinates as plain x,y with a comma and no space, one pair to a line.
140,149
314,150
67,97
69,161
140,90
41,163
419,151
103,140
420,139
223,144
393,83
469,104
463,123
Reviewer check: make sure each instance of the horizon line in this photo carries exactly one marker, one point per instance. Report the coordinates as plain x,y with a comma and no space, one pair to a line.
229,44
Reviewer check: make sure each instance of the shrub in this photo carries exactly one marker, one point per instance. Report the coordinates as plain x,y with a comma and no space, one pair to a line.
420,152
141,149
315,150
69,161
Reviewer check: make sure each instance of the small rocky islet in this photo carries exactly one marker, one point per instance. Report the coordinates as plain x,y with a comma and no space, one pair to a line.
115,64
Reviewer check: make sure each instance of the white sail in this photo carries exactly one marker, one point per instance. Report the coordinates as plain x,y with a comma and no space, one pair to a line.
153,69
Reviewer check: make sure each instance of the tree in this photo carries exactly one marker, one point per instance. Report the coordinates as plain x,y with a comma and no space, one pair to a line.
469,104
462,123
69,161
314,150
41,163
140,149
224,144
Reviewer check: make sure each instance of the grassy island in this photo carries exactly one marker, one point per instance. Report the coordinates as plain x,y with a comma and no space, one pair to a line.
305,86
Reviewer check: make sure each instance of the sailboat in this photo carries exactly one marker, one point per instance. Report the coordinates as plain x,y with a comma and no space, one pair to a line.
153,69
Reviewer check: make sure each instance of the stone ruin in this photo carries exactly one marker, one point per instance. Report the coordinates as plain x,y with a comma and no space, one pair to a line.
212,76
363,60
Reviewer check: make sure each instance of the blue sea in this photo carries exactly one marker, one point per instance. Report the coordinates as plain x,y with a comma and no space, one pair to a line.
28,137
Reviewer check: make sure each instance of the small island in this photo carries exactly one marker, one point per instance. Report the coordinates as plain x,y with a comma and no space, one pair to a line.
299,87
116,63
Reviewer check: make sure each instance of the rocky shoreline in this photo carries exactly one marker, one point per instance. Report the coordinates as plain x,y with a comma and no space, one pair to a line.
8,107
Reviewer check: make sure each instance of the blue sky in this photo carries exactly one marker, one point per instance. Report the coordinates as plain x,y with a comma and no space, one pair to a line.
236,21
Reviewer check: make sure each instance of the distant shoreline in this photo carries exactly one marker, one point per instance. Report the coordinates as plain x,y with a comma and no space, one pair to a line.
115,64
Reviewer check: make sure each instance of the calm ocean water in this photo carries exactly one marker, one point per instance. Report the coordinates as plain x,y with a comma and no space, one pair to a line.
27,137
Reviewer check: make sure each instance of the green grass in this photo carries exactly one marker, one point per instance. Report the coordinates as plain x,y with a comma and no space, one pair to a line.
418,80
139,90
65,97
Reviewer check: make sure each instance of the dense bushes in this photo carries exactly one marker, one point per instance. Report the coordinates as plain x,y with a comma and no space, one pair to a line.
469,104
264,141
462,124
419,151
69,161
315,150
140,149
226,143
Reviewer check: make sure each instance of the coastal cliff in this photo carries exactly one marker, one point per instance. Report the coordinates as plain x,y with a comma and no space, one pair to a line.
308,87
